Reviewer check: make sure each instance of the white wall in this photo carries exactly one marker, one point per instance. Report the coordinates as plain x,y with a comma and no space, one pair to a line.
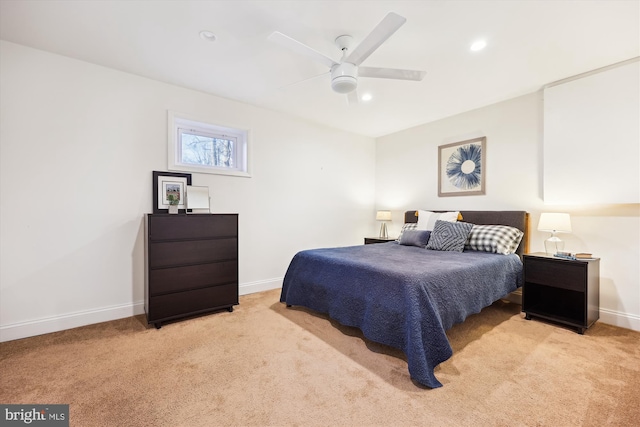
407,178
584,111
78,145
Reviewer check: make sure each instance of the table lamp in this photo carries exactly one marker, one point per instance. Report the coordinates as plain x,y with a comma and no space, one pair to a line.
383,216
554,223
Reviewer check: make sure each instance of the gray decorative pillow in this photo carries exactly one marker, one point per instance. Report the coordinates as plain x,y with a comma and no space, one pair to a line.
499,239
449,236
405,227
417,238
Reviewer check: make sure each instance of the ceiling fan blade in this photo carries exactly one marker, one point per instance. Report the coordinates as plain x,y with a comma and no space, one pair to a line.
389,25
391,73
352,97
326,73
300,48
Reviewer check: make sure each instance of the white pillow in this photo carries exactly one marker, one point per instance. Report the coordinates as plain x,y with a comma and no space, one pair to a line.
427,219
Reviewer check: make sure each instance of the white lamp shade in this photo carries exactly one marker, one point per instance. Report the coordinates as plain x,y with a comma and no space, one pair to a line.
383,215
555,222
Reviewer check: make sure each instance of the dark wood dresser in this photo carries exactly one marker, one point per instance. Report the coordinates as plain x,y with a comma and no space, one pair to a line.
191,265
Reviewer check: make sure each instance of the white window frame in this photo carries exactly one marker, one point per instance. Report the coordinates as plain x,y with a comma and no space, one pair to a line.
178,121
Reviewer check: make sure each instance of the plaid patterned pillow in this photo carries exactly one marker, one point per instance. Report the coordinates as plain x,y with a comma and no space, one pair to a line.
499,239
407,226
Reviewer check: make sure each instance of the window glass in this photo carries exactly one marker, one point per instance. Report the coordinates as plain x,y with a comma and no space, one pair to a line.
196,146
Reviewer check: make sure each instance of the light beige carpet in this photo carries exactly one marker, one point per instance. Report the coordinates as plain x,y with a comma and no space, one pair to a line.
265,365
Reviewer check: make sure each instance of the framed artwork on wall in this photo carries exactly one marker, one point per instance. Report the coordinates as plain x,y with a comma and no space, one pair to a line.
461,168
169,185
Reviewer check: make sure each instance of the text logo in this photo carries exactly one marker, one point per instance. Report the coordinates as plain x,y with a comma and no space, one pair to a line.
34,415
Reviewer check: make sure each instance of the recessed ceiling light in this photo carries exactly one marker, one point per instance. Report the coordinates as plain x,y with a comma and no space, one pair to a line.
478,45
208,36
366,97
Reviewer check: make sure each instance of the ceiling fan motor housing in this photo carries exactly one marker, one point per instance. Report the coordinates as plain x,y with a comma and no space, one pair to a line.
344,77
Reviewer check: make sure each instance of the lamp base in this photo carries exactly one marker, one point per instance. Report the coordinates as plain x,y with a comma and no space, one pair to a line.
553,245
383,231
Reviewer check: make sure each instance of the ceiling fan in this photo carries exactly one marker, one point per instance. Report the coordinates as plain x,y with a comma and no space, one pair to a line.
344,74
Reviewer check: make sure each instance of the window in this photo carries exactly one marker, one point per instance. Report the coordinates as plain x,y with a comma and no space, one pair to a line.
196,146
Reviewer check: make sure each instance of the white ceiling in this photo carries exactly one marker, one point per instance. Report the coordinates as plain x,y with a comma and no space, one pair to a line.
530,43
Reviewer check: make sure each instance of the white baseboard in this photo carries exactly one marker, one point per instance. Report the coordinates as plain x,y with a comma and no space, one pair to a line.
260,285
73,320
623,320
47,325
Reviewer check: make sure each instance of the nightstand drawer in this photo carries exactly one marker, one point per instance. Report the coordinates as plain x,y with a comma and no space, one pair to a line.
570,275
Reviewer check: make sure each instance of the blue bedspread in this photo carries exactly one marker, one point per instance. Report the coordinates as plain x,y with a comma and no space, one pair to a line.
402,296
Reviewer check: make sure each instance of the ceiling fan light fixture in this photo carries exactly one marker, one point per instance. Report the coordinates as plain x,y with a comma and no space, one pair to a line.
344,77
344,84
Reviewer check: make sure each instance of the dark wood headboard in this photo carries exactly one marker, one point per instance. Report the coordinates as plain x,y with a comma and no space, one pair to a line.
517,219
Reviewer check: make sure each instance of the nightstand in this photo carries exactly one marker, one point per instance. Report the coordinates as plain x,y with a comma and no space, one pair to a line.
561,290
370,240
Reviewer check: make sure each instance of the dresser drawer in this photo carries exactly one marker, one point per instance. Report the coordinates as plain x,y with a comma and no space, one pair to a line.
570,275
170,254
192,302
164,280
196,226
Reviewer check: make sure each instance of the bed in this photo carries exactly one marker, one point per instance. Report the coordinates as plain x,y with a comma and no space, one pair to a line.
406,296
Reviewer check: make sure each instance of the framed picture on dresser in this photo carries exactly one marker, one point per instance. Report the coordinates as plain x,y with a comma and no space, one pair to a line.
168,185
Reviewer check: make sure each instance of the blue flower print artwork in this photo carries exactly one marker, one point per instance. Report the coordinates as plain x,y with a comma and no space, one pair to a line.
461,168
464,167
